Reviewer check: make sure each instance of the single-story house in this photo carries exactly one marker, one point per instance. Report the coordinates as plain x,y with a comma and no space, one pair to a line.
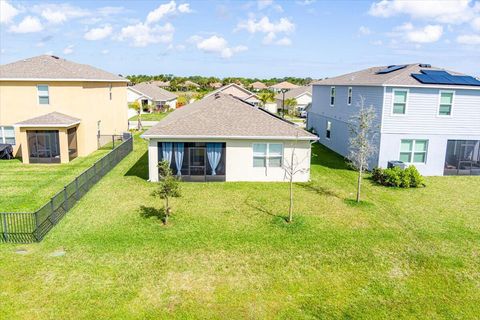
238,91
223,138
303,96
215,85
257,86
151,96
161,84
285,85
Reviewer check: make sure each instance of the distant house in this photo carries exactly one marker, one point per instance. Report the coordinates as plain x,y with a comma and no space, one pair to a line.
285,85
215,85
303,96
151,97
236,90
53,110
223,138
426,116
161,84
189,85
257,86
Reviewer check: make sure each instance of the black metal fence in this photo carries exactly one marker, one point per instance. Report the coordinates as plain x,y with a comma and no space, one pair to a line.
109,141
25,227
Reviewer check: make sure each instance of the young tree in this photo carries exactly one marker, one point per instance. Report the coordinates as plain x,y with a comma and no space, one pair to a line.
138,108
362,133
168,187
292,167
291,104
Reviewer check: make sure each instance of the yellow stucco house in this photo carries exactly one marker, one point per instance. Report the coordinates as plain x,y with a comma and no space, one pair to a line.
53,110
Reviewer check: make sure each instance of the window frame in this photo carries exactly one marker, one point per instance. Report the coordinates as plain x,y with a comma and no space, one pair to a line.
406,101
349,96
413,152
267,154
48,95
334,91
440,102
328,131
3,136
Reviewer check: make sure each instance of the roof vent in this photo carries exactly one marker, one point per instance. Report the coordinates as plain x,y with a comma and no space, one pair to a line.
55,57
425,65
217,95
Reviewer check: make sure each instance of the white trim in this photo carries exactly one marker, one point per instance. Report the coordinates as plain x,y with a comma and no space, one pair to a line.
328,130
38,95
349,96
440,101
433,86
393,102
267,154
334,96
153,136
412,153
62,79
2,138
32,125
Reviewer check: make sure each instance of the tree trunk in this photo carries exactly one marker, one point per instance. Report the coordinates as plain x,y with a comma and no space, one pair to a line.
139,122
167,211
359,182
290,209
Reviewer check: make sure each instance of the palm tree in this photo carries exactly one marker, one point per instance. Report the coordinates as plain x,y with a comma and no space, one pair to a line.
266,97
138,108
291,104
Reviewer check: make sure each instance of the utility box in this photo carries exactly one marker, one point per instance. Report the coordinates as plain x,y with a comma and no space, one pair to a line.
395,163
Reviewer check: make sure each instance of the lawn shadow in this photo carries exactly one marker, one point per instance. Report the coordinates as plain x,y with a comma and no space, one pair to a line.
309,186
361,204
326,157
264,210
151,212
140,168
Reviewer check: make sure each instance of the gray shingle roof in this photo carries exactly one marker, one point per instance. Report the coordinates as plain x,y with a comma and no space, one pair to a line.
53,119
224,116
236,91
154,92
370,77
295,92
54,68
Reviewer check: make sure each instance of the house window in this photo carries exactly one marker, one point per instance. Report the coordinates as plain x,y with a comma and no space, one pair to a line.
332,96
399,101
349,99
413,151
446,102
110,91
267,154
7,135
329,129
43,96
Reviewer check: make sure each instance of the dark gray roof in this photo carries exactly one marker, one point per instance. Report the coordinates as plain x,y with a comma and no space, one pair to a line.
293,93
224,116
154,92
53,68
53,119
371,77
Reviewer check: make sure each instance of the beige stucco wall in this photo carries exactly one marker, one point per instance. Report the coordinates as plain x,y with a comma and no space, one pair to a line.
88,101
239,162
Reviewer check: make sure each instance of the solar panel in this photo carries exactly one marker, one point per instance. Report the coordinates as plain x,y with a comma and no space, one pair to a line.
443,77
391,69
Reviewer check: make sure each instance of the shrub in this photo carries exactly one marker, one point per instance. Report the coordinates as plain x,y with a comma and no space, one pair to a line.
396,177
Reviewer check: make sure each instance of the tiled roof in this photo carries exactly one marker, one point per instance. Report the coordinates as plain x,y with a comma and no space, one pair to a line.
224,116
54,68
154,92
53,119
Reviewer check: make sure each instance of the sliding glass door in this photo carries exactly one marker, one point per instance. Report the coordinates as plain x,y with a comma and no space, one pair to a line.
43,146
462,157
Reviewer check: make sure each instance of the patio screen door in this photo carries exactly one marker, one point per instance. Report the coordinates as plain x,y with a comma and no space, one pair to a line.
197,161
43,146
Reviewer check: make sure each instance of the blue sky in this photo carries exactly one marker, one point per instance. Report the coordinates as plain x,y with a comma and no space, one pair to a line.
262,39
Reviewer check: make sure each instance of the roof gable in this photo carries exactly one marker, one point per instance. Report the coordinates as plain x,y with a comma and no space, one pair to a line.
52,119
234,90
153,92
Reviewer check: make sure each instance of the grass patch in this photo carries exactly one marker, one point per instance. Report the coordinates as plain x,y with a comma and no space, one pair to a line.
226,253
150,116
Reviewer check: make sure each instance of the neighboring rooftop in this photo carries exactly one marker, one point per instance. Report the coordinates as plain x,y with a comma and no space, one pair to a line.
284,85
153,92
189,83
53,119
161,84
235,90
257,85
401,75
224,116
47,67
215,85
294,93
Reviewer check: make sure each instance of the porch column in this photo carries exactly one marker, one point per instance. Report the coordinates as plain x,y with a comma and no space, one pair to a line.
23,143
63,140
153,160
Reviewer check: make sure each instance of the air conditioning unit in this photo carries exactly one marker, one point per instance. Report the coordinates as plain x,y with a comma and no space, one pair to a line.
395,163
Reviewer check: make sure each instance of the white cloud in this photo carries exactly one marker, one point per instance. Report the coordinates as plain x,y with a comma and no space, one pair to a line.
143,34
364,30
285,41
427,34
105,51
98,33
265,26
476,24
7,12
167,9
271,38
469,39
218,45
106,11
68,50
446,11
59,13
263,4
27,25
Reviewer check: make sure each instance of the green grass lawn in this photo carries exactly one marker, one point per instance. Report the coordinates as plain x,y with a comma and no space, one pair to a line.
27,187
227,253
150,116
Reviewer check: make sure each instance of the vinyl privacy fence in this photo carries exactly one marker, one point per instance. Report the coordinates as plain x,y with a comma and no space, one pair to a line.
25,227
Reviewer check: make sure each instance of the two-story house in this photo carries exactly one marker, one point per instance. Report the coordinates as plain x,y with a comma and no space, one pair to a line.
425,116
53,110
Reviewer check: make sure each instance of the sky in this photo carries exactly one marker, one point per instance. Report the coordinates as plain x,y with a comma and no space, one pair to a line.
264,38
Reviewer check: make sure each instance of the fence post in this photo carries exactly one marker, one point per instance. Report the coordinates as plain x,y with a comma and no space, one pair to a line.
113,141
65,197
5,227
52,208
76,188
35,214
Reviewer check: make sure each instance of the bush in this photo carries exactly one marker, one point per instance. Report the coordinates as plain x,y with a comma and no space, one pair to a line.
396,177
